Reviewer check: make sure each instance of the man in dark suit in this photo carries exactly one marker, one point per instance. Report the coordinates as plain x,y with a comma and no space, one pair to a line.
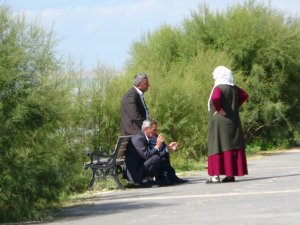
169,172
144,159
133,107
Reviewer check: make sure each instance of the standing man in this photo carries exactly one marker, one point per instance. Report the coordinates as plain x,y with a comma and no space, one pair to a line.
134,113
133,107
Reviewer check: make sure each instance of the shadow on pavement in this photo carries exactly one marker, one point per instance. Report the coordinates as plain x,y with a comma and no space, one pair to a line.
96,209
269,177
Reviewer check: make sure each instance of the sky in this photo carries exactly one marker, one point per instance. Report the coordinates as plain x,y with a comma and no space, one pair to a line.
102,31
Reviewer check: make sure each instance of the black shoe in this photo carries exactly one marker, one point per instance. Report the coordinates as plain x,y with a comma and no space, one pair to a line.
180,181
228,179
164,182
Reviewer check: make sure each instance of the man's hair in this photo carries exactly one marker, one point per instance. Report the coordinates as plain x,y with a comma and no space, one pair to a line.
138,78
148,123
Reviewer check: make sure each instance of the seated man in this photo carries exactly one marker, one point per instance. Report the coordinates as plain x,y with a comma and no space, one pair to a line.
168,171
144,159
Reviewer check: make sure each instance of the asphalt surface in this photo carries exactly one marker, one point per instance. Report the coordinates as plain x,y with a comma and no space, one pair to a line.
269,195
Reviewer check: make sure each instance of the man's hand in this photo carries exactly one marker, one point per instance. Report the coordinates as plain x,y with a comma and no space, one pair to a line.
160,139
173,146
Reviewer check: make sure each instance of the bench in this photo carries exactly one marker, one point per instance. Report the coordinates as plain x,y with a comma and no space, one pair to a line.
108,166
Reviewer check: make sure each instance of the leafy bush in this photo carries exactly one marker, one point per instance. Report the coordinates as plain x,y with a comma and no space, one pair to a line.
36,165
259,43
51,113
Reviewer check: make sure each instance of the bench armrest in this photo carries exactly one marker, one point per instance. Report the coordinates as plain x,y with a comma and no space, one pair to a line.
97,156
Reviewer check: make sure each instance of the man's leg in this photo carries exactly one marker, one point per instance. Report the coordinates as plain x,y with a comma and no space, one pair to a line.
151,166
166,166
170,171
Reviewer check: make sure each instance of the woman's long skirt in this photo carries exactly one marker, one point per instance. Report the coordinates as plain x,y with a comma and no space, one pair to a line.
229,163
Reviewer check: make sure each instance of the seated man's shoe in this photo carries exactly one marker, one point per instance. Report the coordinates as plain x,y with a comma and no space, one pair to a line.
164,182
180,181
228,179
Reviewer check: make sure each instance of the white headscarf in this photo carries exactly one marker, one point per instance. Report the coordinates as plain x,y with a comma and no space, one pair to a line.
221,75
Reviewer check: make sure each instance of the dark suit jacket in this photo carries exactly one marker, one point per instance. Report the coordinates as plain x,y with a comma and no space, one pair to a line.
133,112
137,153
166,163
162,150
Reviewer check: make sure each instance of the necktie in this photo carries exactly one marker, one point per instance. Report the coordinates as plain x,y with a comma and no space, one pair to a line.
144,103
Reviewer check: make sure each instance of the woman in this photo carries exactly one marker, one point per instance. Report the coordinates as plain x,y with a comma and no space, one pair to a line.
226,145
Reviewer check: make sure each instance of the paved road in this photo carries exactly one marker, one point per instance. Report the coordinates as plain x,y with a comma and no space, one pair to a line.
269,195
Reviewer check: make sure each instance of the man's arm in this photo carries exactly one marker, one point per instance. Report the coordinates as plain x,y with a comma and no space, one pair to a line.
163,150
132,108
142,147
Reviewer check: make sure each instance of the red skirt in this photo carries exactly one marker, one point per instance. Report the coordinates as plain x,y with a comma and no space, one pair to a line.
229,163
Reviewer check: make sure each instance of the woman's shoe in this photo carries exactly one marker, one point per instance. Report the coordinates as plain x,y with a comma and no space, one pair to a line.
213,180
228,179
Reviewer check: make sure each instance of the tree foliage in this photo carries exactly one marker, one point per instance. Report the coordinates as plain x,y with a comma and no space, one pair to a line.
33,147
52,113
260,45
